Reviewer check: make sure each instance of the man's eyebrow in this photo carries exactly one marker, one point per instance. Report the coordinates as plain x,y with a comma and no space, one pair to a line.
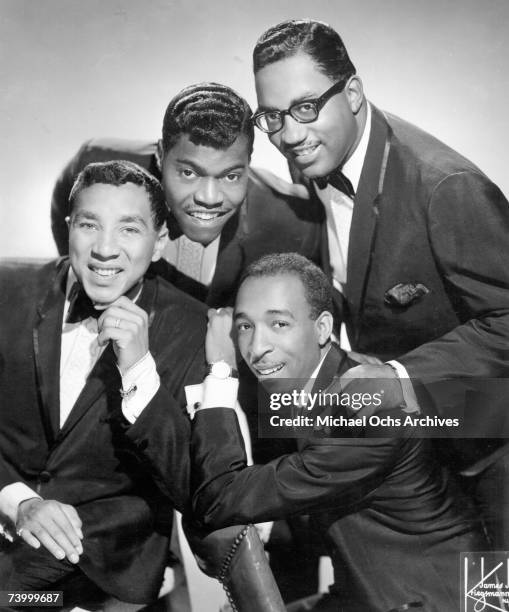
204,172
133,219
85,214
285,313
307,95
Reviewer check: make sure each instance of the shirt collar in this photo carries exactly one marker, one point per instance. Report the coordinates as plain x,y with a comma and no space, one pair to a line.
309,385
352,168
71,279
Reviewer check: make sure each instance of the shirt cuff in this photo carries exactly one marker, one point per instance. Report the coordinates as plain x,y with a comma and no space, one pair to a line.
412,405
139,385
11,496
219,392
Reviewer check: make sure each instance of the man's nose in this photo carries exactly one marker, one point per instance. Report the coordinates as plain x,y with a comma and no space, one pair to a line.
106,246
209,193
260,345
292,132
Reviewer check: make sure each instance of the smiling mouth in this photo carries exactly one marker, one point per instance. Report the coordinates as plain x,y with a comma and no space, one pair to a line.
268,370
305,151
207,216
105,272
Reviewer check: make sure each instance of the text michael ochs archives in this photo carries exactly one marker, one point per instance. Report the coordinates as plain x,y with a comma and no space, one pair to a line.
300,413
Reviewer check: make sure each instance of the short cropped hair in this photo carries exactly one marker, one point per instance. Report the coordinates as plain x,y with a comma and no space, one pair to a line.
121,172
210,114
321,42
317,288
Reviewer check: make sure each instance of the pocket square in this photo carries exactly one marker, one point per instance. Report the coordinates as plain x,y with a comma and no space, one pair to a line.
404,294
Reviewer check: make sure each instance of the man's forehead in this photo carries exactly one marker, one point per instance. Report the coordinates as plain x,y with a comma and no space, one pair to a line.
120,201
269,295
206,156
288,81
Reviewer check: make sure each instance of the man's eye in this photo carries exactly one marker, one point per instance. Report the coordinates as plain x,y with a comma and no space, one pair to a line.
131,230
187,173
305,107
86,225
232,177
280,324
242,327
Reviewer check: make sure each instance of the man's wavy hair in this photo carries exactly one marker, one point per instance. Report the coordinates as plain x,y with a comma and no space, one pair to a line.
118,173
317,288
315,38
210,114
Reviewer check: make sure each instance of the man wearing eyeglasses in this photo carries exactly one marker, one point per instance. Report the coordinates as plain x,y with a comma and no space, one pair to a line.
415,243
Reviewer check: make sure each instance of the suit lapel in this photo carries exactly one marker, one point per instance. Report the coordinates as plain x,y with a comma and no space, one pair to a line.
332,366
103,379
365,213
46,339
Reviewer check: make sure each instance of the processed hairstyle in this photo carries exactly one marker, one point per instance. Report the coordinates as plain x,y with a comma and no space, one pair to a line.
316,285
321,42
210,114
121,172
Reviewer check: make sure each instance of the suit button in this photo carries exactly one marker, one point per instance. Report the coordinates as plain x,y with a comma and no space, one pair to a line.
45,476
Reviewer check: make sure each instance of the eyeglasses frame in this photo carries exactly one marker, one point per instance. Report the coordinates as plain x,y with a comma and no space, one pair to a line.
319,103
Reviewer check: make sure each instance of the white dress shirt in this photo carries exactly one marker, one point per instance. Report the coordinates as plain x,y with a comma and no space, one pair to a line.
192,258
339,209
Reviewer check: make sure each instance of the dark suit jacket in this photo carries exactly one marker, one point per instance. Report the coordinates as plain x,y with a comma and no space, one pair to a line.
267,222
424,214
392,521
94,462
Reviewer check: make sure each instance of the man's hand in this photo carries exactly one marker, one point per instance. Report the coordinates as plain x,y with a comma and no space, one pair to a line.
54,525
369,378
219,342
126,325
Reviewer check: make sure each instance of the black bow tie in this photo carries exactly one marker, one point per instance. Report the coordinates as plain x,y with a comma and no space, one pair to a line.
81,306
337,180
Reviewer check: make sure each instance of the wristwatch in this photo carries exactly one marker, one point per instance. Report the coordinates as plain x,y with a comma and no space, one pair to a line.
222,370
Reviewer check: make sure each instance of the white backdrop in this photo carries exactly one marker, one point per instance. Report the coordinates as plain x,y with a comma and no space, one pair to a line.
74,69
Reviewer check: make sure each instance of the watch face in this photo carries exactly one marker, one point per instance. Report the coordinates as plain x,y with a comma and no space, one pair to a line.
220,369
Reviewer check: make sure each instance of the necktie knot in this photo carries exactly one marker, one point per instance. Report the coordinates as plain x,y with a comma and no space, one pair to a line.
337,180
81,306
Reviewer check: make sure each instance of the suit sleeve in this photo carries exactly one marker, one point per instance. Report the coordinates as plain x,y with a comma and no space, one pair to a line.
468,225
162,433
325,474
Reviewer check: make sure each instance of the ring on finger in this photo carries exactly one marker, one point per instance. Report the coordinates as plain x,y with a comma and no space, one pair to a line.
19,532
117,323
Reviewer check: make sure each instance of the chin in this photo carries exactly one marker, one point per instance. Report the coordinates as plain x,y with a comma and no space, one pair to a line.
102,297
203,238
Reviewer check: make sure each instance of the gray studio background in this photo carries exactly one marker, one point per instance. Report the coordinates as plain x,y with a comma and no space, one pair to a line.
76,69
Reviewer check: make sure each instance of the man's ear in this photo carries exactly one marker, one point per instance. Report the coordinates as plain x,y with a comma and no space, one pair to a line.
324,326
355,93
161,241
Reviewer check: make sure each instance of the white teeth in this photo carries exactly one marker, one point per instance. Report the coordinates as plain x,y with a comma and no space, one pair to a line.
106,272
305,150
204,216
269,371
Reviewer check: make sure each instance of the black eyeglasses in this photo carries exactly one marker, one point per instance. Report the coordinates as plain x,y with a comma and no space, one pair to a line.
304,112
